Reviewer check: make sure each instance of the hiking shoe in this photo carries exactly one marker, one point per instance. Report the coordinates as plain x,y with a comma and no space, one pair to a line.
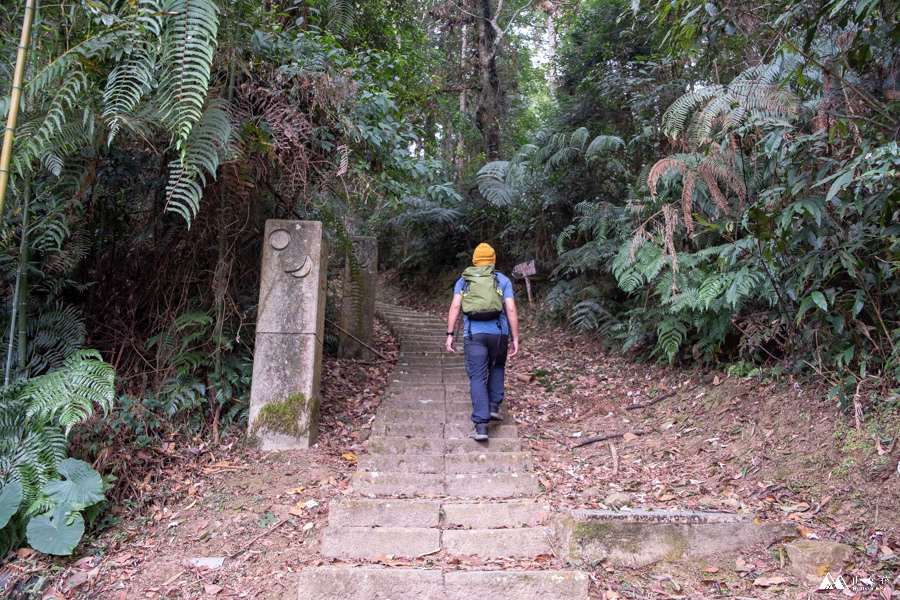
480,433
495,412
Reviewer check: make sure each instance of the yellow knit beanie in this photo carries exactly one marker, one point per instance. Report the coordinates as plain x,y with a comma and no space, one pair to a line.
484,255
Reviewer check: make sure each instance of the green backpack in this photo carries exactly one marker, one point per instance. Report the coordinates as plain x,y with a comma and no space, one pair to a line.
482,298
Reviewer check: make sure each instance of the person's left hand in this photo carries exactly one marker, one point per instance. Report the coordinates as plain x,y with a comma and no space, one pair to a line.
450,348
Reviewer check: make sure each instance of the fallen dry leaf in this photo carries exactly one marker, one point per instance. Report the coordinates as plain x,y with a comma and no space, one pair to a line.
711,570
768,581
386,560
629,436
211,588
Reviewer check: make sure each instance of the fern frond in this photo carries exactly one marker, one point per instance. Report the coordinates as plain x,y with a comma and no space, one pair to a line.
70,393
602,144
579,138
340,17
491,181
661,168
126,84
199,159
188,46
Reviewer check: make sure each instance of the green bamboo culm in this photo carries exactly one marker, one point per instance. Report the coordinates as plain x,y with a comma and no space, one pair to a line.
15,100
20,296
22,344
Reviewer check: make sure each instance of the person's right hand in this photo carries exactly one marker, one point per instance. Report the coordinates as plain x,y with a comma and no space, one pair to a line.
515,347
450,348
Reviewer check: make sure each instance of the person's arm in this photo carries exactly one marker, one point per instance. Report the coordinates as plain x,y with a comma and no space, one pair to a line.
512,318
455,307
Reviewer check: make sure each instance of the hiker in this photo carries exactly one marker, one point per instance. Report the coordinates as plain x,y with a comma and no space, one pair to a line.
485,298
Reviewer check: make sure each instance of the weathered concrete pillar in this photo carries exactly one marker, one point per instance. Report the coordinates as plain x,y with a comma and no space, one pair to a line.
287,361
358,303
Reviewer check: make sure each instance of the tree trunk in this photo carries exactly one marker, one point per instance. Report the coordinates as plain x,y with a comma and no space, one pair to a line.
463,103
487,115
551,54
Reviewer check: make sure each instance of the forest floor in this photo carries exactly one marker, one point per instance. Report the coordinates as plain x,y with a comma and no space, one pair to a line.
708,440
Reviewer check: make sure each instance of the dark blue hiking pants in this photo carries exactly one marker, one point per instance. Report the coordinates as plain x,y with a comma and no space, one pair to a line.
485,365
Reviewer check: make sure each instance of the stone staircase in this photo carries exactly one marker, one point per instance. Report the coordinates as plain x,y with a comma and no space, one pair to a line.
426,487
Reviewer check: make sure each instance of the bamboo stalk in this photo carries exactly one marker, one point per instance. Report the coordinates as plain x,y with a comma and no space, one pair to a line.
15,100
19,293
22,345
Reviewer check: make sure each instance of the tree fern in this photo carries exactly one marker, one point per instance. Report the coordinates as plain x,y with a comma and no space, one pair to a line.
601,145
491,181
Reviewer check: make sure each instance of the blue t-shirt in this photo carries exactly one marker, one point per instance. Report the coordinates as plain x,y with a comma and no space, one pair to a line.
487,326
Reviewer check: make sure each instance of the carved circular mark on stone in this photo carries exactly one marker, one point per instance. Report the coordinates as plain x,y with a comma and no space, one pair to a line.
279,239
304,269
362,257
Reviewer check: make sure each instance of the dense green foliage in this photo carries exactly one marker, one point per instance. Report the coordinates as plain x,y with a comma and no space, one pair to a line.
767,234
703,182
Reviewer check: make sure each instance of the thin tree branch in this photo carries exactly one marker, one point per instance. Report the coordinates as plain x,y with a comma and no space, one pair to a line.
339,328
609,436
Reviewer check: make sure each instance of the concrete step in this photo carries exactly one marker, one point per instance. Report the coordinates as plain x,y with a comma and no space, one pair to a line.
426,404
398,386
406,484
403,445
341,583
496,462
376,583
407,361
491,485
437,369
405,415
469,445
403,463
415,403
425,430
365,512
364,542
494,515
495,430
409,445
498,543
463,407
421,378
518,585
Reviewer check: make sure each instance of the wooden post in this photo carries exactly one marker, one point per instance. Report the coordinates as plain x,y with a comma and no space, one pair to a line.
528,287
